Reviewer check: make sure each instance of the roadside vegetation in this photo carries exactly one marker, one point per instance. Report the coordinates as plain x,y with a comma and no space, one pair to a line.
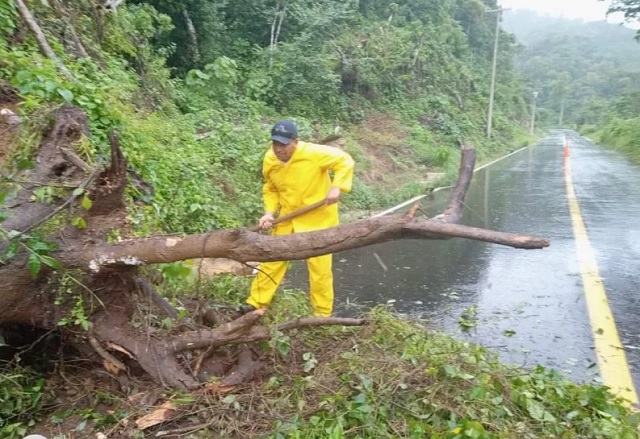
192,88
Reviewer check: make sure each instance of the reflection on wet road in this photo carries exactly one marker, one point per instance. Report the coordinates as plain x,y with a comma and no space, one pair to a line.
527,304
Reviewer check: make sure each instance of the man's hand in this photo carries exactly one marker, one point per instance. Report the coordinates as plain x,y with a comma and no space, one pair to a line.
266,222
333,196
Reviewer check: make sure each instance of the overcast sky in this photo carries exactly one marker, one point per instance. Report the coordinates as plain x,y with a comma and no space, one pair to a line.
585,9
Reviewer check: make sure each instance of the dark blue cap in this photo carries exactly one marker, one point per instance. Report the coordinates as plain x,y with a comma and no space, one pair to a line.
284,131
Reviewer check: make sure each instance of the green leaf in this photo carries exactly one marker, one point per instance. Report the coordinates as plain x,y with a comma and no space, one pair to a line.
25,164
450,371
51,262
34,264
66,94
11,251
569,416
200,74
79,222
538,411
42,246
86,203
360,398
78,191
478,393
367,383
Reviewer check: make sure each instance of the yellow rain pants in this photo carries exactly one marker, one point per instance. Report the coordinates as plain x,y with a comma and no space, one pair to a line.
300,182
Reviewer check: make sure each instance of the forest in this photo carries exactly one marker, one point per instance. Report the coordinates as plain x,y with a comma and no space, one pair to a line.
585,73
131,141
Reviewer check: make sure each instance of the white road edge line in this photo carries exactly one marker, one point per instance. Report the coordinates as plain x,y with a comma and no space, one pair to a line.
419,197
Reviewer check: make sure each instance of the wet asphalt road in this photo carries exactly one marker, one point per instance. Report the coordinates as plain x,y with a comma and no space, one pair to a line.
529,304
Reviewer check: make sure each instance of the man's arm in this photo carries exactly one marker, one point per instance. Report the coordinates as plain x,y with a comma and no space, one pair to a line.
270,199
342,166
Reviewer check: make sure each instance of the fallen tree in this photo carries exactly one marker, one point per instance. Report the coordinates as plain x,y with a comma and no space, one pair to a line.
109,275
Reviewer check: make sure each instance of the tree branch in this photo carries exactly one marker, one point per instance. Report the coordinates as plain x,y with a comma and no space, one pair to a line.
241,330
245,246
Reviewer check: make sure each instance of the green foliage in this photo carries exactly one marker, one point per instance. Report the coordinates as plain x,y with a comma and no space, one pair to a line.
630,9
8,20
395,378
428,385
40,85
200,185
78,300
21,393
38,250
579,69
622,135
469,318
332,62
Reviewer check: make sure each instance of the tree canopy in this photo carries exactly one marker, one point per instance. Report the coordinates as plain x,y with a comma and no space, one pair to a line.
579,68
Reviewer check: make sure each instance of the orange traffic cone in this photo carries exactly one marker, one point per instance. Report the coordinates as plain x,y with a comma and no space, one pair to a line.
565,152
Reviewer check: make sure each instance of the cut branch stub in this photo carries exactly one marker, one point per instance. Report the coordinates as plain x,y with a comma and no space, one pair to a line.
107,193
452,213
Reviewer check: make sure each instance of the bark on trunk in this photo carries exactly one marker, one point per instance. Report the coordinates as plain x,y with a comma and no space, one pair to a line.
109,276
193,35
26,15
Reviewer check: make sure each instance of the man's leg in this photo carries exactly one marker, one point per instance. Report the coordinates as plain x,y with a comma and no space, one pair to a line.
321,285
270,274
266,282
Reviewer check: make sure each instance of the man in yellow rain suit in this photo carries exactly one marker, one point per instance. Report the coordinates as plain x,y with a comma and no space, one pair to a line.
296,175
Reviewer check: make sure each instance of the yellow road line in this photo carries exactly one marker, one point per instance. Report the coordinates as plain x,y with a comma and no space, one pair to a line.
612,360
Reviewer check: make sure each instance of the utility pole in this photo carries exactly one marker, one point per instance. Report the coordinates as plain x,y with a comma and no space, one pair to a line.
533,112
493,68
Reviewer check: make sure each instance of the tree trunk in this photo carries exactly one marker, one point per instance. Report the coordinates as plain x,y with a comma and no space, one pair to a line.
276,25
193,35
26,16
107,280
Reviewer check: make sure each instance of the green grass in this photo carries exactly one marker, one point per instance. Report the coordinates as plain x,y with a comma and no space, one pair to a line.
21,392
621,135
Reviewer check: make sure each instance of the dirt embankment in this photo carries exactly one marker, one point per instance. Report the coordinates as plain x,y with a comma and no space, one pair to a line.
9,119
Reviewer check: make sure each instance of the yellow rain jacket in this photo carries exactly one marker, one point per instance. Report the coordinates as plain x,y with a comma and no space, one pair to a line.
302,181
